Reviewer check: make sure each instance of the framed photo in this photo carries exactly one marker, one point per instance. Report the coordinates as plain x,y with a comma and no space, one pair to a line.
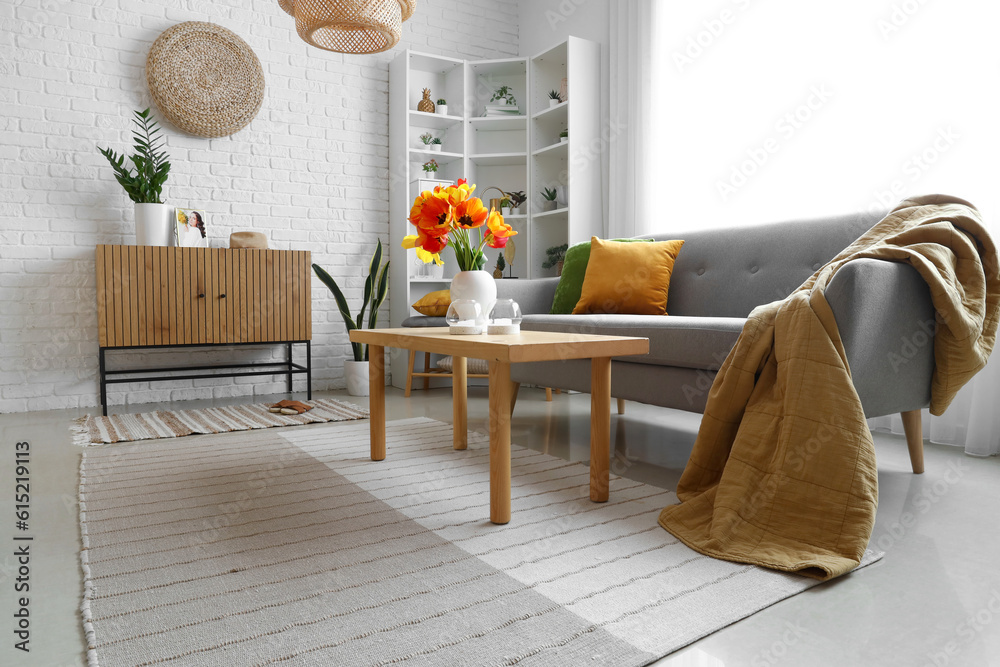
191,229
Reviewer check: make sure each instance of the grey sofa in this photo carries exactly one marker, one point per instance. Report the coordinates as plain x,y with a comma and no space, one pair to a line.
883,310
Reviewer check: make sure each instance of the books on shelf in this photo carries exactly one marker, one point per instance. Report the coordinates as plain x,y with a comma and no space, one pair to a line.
502,110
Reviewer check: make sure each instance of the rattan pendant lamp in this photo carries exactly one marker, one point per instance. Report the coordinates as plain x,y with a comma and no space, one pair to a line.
350,26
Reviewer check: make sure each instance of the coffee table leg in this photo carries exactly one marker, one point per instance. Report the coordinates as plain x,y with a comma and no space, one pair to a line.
376,400
600,427
459,403
500,390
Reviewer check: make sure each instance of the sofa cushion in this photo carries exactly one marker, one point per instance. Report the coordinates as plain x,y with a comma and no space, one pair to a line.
628,278
434,304
424,321
687,342
571,281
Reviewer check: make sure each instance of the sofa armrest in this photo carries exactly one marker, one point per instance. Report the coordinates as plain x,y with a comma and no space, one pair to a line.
886,320
533,296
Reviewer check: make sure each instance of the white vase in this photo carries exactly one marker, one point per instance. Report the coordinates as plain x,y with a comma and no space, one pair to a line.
478,286
441,110
356,374
154,224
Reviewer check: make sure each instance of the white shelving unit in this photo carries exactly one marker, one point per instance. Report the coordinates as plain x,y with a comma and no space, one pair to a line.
514,153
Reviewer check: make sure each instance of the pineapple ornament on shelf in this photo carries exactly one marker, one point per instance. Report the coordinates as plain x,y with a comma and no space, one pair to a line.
425,104
498,272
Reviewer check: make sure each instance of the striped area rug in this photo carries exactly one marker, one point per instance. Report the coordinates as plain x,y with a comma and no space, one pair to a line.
292,546
127,427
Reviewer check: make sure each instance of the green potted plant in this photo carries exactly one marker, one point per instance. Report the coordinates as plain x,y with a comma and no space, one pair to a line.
554,98
517,198
548,199
554,256
376,287
436,145
503,96
154,224
564,136
442,107
430,167
426,138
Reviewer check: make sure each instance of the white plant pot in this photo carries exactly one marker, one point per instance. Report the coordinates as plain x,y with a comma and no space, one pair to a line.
548,205
154,224
435,148
505,211
553,102
502,102
356,374
441,110
478,286
563,140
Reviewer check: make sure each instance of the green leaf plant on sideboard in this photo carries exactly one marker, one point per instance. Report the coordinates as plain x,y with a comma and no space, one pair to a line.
376,288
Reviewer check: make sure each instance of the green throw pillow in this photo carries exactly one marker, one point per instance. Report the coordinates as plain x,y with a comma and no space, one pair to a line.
571,282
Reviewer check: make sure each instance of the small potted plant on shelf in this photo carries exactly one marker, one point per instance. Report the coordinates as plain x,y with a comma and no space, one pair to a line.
442,107
503,96
426,138
548,199
431,167
554,256
505,205
436,145
564,136
376,287
501,265
554,98
517,198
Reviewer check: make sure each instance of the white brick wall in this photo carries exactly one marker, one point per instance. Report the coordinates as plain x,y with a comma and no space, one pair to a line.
311,171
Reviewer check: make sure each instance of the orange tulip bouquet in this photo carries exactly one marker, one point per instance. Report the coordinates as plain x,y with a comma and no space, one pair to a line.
449,216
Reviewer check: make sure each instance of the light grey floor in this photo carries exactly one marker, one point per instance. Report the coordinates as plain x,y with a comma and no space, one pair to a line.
933,600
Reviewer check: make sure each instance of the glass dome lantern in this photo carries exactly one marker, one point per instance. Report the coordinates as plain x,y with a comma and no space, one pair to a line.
505,318
465,317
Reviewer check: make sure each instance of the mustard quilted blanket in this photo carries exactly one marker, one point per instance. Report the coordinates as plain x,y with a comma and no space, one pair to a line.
783,469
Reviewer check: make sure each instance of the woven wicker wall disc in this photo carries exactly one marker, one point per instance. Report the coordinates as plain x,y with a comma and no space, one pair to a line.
350,26
288,6
205,79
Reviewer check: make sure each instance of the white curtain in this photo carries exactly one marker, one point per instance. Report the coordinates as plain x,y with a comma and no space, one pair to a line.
784,110
631,109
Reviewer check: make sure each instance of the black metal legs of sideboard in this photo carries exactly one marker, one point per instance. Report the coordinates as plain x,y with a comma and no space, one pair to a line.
288,368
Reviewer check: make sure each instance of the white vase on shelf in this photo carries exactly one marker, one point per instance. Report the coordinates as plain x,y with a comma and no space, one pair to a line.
478,286
154,224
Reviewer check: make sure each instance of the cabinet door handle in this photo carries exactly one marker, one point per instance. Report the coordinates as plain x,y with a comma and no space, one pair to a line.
201,296
222,296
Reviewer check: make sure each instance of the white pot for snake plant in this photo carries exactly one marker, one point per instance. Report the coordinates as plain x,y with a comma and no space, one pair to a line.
356,374
154,224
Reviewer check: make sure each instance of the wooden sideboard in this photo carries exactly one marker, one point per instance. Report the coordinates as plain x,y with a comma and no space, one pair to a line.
152,297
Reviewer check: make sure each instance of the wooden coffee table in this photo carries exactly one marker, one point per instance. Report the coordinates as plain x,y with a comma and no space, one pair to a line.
501,352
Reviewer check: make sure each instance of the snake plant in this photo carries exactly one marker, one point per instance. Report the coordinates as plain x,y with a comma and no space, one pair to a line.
376,286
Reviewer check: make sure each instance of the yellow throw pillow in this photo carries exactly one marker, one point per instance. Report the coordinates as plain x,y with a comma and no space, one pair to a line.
631,278
434,304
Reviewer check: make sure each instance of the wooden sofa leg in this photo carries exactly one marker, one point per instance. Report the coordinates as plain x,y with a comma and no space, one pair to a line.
914,439
621,406
427,367
548,394
409,373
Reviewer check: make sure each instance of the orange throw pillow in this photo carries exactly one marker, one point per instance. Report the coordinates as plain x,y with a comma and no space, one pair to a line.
434,304
631,278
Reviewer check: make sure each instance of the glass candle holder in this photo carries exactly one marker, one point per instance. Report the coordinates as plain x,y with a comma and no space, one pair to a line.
465,318
505,318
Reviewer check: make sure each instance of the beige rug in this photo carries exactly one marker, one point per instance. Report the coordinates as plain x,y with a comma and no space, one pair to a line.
127,427
292,546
